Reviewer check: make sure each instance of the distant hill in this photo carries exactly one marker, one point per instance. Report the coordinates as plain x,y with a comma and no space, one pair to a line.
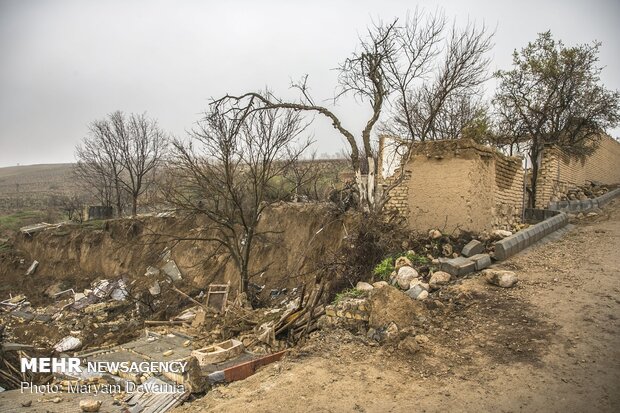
30,186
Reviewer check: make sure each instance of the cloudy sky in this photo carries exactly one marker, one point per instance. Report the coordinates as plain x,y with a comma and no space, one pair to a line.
66,63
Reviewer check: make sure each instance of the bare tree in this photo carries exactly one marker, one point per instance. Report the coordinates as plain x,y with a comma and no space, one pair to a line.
390,60
553,96
229,172
142,146
120,157
99,166
447,101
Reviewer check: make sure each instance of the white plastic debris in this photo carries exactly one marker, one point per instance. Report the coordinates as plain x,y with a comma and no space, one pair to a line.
68,343
32,268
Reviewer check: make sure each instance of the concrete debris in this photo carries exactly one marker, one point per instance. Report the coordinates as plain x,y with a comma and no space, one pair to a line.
151,271
473,247
68,343
501,278
33,267
90,405
417,292
172,271
155,289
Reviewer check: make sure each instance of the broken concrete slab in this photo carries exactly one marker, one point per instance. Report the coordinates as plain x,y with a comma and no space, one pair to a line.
482,261
458,266
473,247
172,271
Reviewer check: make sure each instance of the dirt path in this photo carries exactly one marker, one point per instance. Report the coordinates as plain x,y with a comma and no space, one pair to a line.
550,344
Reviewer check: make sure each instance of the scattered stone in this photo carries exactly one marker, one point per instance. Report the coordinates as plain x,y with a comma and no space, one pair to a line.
501,233
434,234
481,261
473,247
415,291
591,214
501,278
56,399
421,339
405,276
27,403
423,296
447,250
380,284
439,278
401,262
409,345
90,405
363,286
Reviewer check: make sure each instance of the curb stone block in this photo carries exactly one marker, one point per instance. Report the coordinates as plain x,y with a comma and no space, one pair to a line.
458,266
472,248
481,261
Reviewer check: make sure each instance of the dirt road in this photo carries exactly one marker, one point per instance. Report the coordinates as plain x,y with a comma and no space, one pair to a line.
551,344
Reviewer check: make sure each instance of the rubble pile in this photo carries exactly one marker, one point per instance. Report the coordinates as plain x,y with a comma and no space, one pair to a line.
590,190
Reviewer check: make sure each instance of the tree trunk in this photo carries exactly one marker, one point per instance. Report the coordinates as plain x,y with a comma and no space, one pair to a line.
534,153
134,205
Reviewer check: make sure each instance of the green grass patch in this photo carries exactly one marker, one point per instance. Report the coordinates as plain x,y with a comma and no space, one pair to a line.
16,220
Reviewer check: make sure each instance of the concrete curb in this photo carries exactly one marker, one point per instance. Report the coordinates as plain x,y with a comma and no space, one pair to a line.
515,243
585,205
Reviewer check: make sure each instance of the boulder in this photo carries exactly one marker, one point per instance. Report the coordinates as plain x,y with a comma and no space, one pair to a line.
501,278
401,262
405,276
390,305
363,286
439,278
90,405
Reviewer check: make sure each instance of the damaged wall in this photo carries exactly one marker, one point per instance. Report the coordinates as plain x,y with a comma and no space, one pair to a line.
559,172
459,185
79,254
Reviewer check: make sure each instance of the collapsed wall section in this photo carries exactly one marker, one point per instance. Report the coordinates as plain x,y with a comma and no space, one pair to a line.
458,185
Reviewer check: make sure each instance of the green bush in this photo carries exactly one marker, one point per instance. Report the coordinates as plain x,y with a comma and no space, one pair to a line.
384,269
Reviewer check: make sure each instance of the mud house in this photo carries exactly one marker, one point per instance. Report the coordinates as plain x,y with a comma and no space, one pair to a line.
459,185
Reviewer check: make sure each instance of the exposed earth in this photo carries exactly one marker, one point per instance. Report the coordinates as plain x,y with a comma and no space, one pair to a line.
551,344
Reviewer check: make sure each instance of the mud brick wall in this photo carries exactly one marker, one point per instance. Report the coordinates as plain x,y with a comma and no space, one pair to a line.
560,172
459,186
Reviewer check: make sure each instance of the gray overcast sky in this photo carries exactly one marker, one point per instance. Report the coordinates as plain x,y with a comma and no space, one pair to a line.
66,63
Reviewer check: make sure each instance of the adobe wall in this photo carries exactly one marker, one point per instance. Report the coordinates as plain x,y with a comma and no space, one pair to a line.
459,186
560,172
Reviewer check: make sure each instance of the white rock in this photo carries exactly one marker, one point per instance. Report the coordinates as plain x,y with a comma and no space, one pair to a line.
423,295
405,276
434,234
501,233
90,405
363,286
501,278
439,278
